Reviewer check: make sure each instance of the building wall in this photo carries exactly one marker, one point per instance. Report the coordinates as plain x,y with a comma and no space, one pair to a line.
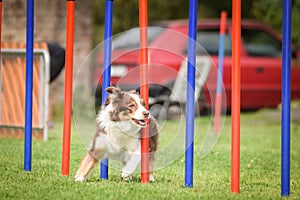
50,25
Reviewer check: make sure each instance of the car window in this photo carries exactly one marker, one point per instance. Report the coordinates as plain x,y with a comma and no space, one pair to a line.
260,43
209,39
131,39
209,42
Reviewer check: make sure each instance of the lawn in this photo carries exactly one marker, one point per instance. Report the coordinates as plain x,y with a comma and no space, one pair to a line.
260,166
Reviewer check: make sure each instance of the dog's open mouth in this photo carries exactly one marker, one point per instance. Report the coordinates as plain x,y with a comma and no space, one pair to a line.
140,122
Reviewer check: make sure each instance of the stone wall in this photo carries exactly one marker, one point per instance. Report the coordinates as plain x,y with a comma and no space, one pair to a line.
50,25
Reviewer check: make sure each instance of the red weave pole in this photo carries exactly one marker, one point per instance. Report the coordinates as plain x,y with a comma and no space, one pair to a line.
143,20
223,22
218,109
236,96
68,87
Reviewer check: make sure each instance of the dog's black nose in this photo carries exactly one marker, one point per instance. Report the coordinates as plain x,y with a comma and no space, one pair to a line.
146,114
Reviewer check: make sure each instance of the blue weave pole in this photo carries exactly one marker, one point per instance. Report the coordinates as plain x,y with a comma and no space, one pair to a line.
106,69
190,98
220,63
29,84
285,98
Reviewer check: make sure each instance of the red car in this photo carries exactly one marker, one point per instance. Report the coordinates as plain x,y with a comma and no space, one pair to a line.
260,62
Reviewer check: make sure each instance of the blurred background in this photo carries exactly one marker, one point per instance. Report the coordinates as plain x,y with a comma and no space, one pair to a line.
126,13
50,23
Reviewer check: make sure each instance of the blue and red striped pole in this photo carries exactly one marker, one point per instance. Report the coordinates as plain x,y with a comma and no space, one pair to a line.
106,69
286,97
190,98
218,98
29,84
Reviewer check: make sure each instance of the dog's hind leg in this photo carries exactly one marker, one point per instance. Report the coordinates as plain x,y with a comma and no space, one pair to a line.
87,164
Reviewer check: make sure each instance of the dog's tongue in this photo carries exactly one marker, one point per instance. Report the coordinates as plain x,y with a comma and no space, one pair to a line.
142,122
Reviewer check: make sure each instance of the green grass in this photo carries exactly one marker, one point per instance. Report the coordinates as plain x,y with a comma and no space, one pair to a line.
260,167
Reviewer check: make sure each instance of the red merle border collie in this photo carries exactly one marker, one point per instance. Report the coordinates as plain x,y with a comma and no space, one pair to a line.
118,134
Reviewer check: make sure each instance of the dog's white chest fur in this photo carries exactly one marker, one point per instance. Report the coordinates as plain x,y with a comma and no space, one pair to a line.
121,143
124,136
120,136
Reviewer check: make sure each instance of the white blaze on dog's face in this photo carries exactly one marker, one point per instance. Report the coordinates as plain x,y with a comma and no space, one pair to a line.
127,106
141,114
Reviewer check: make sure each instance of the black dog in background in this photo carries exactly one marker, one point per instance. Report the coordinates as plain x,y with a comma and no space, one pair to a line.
57,59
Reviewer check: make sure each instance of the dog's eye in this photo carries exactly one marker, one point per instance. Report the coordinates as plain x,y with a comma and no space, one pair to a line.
131,106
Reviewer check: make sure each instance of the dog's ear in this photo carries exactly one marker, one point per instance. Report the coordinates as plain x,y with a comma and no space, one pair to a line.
113,90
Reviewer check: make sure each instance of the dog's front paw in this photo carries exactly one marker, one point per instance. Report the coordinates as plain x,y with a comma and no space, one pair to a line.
126,176
79,179
151,178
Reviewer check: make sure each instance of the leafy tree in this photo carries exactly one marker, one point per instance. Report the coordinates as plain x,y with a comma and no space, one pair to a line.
270,12
126,13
